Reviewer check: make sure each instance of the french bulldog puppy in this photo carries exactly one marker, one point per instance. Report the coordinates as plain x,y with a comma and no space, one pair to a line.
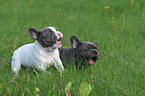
81,54
42,53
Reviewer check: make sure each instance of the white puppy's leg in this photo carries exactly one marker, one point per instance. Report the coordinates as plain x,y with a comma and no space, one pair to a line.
16,65
58,65
41,67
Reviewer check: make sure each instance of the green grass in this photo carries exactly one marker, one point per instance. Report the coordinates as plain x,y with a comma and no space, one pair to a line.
120,70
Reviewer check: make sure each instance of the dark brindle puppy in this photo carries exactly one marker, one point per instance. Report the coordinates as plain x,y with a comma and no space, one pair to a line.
81,54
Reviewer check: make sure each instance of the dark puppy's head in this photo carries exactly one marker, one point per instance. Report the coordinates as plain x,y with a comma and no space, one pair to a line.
85,51
47,37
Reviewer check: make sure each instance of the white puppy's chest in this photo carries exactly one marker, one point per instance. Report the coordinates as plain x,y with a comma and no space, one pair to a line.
48,58
33,55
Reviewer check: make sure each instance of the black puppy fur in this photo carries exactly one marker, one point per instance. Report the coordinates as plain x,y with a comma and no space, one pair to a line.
81,54
46,37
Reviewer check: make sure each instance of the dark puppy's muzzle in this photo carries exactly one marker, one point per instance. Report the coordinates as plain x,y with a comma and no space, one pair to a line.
93,56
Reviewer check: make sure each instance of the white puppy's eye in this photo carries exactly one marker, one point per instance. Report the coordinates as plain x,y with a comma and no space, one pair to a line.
50,34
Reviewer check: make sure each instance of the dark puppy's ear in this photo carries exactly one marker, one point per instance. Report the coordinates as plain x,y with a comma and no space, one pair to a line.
75,42
34,33
97,43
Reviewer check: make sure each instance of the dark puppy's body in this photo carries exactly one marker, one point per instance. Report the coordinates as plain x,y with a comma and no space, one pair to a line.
81,54
67,56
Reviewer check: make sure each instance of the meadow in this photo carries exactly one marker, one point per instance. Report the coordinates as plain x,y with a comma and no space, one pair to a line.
118,25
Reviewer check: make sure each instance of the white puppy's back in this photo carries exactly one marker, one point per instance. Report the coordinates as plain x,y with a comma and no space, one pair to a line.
22,56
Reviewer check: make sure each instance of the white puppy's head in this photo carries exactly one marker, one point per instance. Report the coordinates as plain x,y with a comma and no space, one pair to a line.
47,37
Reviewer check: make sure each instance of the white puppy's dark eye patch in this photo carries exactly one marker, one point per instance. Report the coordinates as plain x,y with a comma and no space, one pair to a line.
47,37
50,34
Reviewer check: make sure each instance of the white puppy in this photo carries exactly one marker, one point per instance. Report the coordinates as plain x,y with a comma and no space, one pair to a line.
42,53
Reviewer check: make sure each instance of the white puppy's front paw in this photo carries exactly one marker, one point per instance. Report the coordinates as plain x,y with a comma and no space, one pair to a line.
41,68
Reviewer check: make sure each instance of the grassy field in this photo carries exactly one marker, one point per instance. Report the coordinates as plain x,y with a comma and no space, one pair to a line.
118,25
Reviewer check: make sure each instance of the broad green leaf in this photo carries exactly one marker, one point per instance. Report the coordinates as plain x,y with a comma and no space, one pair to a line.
85,89
36,90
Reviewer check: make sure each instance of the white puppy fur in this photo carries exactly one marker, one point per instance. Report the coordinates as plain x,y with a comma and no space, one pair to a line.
34,55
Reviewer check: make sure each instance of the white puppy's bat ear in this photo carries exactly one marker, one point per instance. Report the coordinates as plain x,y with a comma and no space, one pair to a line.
97,43
34,33
75,42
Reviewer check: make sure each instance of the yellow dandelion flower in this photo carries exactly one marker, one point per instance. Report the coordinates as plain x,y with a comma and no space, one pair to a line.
132,2
112,21
106,7
113,18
